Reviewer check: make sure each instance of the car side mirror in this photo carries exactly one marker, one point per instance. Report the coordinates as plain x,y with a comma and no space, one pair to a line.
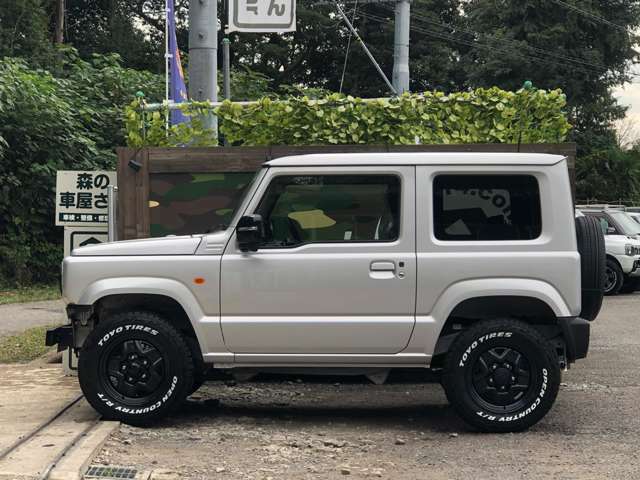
250,233
611,231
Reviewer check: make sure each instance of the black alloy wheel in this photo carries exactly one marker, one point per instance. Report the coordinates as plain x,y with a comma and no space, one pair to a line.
502,379
134,370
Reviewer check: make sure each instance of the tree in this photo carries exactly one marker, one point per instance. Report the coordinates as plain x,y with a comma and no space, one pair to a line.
113,26
585,47
314,55
24,29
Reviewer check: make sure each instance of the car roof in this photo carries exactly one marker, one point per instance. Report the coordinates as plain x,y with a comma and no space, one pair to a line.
415,158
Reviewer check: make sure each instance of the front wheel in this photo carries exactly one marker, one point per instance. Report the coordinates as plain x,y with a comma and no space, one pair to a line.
614,278
501,376
135,367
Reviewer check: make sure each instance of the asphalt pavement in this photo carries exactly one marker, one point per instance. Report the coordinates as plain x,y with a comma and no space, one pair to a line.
18,317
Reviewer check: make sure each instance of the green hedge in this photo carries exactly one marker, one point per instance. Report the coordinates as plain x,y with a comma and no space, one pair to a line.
480,116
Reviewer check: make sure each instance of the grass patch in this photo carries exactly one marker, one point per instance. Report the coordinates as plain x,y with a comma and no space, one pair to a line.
29,294
24,347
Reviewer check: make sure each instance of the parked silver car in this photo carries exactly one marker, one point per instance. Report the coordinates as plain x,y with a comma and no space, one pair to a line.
470,265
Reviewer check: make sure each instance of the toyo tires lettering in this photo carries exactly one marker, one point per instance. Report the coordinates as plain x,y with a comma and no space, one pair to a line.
140,411
126,328
523,413
480,341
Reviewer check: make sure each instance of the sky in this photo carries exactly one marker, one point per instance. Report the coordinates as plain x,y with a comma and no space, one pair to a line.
629,95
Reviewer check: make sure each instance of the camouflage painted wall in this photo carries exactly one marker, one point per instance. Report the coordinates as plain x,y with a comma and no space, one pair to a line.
186,203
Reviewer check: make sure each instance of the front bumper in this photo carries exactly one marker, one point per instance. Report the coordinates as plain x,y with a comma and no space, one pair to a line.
630,265
68,335
61,336
636,269
576,333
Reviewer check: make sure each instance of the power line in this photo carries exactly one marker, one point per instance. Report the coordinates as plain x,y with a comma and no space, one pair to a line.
475,43
346,55
590,15
514,43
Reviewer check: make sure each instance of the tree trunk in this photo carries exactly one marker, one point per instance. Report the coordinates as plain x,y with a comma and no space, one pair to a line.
59,32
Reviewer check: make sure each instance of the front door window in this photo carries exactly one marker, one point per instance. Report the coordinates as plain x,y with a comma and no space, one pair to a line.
331,208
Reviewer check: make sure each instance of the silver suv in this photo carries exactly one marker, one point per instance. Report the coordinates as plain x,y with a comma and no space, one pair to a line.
469,265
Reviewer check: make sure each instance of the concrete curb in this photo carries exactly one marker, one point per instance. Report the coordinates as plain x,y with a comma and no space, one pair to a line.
75,463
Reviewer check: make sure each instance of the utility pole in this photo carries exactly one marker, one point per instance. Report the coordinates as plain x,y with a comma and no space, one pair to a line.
58,37
226,69
203,54
401,47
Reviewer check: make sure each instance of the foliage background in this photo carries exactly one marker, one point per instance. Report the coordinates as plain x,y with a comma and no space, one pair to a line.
480,116
61,105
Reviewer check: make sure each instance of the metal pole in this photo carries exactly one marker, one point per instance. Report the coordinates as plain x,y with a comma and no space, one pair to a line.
401,47
226,69
112,209
366,50
203,54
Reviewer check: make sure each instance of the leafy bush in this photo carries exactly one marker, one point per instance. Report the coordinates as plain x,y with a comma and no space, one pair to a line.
481,116
609,176
67,118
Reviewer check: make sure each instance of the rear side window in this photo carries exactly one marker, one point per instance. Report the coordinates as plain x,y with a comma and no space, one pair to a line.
486,207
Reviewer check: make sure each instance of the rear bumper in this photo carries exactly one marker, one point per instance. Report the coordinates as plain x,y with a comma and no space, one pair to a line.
576,333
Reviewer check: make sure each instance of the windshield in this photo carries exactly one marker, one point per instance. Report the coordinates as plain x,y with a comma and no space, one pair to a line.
238,200
628,225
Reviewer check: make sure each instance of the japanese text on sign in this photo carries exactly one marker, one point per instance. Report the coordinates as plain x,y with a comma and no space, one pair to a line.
262,15
81,197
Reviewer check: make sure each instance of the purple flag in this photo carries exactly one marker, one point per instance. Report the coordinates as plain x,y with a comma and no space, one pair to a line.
177,88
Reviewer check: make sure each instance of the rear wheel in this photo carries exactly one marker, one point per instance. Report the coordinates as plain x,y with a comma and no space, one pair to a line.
135,367
501,376
614,278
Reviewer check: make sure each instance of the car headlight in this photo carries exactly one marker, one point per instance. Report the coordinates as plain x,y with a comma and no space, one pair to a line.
631,250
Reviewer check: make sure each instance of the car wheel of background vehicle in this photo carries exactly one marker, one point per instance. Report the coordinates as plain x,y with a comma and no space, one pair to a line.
501,376
135,367
614,278
592,265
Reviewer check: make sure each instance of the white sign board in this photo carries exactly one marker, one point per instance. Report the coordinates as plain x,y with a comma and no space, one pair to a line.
81,197
262,16
75,237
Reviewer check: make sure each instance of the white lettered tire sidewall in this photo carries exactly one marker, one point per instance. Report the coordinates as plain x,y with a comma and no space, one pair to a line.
545,375
150,328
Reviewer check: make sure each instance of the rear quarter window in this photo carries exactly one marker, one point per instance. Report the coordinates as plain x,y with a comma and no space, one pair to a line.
486,207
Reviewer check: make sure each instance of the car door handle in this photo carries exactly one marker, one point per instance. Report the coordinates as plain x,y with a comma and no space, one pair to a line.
383,267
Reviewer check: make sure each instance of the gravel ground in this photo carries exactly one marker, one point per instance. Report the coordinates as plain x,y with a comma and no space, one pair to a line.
301,428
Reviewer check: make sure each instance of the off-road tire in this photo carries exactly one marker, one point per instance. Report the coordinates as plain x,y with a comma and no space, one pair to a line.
592,265
463,368
613,271
112,345
199,367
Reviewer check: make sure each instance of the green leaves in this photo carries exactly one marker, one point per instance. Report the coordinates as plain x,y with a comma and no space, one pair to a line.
480,116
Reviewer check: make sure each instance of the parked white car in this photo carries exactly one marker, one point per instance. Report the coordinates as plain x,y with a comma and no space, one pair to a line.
622,242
